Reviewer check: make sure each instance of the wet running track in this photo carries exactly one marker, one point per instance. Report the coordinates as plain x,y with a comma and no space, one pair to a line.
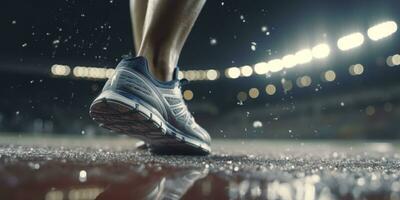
110,168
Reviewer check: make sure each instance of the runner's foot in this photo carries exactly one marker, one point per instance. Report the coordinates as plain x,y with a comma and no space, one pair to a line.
133,102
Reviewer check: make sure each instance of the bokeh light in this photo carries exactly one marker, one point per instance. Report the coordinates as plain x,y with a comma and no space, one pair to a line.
270,89
246,71
289,61
350,41
254,93
356,69
382,30
188,95
60,70
321,51
329,76
304,81
396,60
232,72
275,65
212,74
304,56
261,68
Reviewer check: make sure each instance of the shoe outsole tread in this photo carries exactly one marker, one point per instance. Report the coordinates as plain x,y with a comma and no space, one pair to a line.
135,121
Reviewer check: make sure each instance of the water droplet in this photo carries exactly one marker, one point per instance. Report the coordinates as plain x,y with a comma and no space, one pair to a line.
36,166
257,124
213,41
82,176
253,46
242,18
264,28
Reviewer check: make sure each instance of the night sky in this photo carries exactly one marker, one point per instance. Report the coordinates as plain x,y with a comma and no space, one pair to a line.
36,35
98,32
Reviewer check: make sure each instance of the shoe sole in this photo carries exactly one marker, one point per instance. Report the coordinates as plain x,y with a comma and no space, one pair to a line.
122,115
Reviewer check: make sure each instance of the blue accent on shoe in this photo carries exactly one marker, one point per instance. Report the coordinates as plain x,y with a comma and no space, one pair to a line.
140,64
134,102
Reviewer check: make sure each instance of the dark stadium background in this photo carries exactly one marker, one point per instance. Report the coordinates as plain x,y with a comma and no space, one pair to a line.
35,35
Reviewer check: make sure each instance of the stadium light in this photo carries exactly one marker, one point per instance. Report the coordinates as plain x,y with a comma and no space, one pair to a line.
304,81
92,72
329,76
254,93
396,60
110,72
382,30
304,56
356,69
188,95
270,89
275,65
199,75
389,61
261,68
350,41
181,75
80,71
246,71
212,74
60,70
97,73
289,61
321,51
189,75
232,72
192,75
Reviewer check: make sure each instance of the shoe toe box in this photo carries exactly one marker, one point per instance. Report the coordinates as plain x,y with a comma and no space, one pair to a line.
202,134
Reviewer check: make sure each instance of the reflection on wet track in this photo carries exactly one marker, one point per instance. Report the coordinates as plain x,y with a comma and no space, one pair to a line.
268,171
55,180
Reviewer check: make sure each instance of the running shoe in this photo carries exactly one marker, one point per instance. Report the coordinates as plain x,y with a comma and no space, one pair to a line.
134,103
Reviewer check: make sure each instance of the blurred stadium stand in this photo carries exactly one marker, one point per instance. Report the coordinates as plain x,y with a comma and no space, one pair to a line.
363,106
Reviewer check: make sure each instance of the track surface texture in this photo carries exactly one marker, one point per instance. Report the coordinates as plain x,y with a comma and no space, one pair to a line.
111,168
